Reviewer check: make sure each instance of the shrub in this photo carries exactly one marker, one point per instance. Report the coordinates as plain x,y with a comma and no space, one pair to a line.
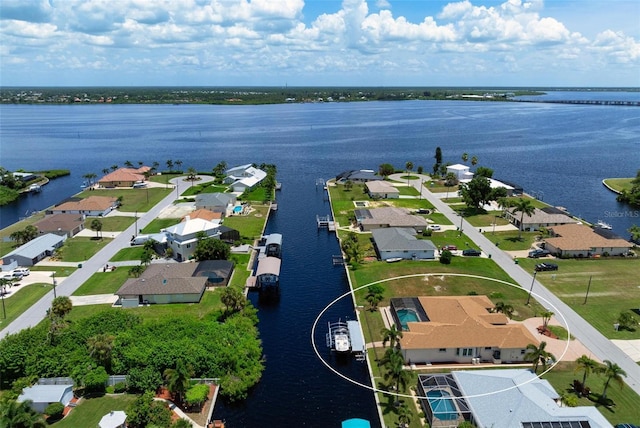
445,257
120,387
96,380
54,410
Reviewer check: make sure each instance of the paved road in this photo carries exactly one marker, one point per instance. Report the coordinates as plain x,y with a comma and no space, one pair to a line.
37,311
599,345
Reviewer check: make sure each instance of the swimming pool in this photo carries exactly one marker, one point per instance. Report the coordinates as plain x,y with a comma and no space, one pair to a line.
442,406
406,316
237,210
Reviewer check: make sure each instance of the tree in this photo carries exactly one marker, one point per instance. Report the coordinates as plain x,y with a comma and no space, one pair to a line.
451,179
233,299
386,169
61,306
404,415
612,371
635,233
504,308
220,169
197,394
352,249
136,271
178,164
631,196
588,366
146,257
474,161
393,361
348,185
177,379
90,177
546,317
504,203
523,206
100,347
627,321
145,412
484,171
438,155
128,164
478,192
191,174
211,249
445,257
95,380
54,410
375,294
96,226
19,415
105,171
409,166
538,355
170,165
465,157
391,335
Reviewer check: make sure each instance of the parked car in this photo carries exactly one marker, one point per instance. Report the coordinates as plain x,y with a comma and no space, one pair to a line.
22,271
434,227
546,266
538,252
6,275
449,248
471,252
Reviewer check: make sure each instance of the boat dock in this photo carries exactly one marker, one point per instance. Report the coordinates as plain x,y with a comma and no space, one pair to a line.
347,337
325,222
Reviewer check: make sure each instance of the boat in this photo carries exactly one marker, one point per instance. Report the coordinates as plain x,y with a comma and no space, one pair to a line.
338,337
35,188
393,259
602,225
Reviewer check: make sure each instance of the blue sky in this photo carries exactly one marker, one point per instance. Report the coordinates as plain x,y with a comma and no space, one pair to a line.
320,43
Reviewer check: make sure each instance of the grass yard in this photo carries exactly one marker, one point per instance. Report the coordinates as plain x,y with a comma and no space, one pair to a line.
111,224
130,253
22,298
259,194
614,288
487,220
250,226
141,200
6,244
619,184
439,187
438,218
103,282
89,411
508,241
209,187
407,191
160,223
626,401
80,249
240,271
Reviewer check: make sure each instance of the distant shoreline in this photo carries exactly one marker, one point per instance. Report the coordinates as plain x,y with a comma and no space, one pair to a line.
617,187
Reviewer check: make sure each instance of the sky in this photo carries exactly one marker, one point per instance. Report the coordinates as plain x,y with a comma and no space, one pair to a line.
577,43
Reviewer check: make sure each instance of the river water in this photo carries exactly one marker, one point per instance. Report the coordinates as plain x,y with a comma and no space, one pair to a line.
559,152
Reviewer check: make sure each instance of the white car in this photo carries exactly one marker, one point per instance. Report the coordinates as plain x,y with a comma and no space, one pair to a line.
434,227
22,271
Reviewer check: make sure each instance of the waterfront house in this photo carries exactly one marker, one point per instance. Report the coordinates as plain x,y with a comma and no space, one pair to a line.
395,242
43,395
579,240
376,218
499,399
35,250
357,176
461,171
124,177
183,237
244,177
91,206
541,217
379,189
457,329
67,225
216,202
205,214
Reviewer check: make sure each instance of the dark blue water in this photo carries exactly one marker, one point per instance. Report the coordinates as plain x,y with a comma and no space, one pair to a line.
560,152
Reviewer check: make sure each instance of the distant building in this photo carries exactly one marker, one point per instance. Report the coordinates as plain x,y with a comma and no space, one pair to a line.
244,177
381,189
216,202
67,225
579,240
183,237
124,177
92,206
545,217
461,171
394,242
377,218
357,176
35,250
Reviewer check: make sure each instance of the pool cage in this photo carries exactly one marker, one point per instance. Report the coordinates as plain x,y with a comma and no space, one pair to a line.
400,306
444,405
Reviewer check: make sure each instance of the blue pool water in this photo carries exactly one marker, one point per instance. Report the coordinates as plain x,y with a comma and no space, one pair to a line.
237,210
406,316
443,407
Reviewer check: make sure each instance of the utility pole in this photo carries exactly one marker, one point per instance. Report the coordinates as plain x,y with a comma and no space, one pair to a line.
588,287
535,272
53,275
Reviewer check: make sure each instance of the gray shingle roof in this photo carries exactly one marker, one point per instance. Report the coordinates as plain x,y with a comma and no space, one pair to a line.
399,239
37,246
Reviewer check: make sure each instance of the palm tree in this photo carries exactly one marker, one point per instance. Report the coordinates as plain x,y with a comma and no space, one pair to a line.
114,167
19,415
136,271
170,165
61,306
105,171
393,361
504,308
523,206
391,335
635,233
178,379
546,317
178,164
474,161
96,225
128,164
588,366
612,371
100,347
538,354
409,166
404,415
465,157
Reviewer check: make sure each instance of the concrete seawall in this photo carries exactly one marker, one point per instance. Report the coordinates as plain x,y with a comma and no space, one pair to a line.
604,182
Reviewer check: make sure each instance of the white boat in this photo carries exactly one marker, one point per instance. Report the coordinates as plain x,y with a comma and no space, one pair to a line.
338,337
602,225
35,188
393,259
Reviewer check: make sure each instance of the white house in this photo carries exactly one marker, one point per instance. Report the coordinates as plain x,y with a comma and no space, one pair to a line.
244,177
183,237
461,171
43,395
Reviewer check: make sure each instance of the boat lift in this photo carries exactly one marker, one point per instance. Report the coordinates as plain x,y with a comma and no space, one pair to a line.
347,337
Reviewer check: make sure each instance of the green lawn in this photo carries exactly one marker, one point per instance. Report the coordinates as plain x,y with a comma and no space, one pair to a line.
205,188
626,401
104,282
250,226
140,200
487,220
619,184
408,191
6,244
438,218
80,249
160,223
130,253
614,288
89,411
111,224
22,298
508,241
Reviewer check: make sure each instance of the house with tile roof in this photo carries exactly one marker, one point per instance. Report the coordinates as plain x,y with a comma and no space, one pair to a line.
61,224
579,240
376,218
124,177
458,329
499,399
396,242
545,217
204,215
183,237
92,206
379,189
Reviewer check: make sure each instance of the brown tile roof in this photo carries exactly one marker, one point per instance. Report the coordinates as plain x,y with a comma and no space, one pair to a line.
572,237
463,321
125,174
59,222
168,278
203,214
91,203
